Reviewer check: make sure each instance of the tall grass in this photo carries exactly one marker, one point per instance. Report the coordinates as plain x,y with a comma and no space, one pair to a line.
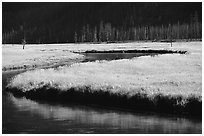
138,101
145,83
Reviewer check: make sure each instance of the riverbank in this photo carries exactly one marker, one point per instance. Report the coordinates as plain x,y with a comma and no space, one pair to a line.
48,55
36,56
165,83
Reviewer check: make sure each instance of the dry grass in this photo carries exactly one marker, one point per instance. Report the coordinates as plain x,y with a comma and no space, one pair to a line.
149,73
14,57
176,77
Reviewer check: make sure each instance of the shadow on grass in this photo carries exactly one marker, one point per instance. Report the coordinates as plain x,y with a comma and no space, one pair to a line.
138,102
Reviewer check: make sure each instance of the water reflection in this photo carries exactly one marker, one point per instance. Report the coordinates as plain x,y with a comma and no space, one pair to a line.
96,118
114,56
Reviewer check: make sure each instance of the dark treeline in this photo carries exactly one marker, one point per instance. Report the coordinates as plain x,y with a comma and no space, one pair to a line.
100,22
107,33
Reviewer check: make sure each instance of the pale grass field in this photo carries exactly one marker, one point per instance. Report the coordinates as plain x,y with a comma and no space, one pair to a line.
169,75
14,57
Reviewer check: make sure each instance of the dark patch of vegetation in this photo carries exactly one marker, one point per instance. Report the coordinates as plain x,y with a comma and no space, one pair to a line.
137,102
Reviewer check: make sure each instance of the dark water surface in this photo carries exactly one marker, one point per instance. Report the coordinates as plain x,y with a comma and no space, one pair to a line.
20,115
114,56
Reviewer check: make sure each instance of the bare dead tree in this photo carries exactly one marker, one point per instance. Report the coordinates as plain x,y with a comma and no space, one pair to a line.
171,35
23,42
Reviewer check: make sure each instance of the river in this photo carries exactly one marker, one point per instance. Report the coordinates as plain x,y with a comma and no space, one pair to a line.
21,115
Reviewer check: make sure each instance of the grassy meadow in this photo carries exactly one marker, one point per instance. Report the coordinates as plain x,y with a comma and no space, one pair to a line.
169,83
33,56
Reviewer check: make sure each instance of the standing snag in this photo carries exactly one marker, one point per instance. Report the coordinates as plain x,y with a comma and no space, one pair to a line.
23,42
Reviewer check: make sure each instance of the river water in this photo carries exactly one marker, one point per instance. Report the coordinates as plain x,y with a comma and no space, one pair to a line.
21,115
114,56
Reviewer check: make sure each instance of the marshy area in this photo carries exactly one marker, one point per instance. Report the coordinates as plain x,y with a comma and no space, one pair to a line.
102,67
130,83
